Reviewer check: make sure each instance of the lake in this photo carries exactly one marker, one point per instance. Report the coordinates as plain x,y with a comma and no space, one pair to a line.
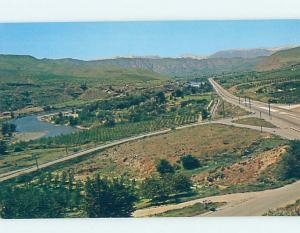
31,124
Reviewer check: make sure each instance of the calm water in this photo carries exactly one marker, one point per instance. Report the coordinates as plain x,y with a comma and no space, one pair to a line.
29,124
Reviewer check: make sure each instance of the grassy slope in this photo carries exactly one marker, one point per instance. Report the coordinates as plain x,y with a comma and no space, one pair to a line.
27,68
280,59
27,81
255,121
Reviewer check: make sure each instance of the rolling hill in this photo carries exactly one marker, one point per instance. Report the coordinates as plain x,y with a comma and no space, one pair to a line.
29,82
186,67
25,68
280,59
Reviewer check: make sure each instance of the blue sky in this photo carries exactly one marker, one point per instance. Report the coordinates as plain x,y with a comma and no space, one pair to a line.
164,38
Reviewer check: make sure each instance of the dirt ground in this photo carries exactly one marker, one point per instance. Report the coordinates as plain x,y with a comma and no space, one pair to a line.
137,159
246,171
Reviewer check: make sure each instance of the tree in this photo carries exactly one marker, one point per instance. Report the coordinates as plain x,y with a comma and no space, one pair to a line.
110,122
178,93
84,86
47,108
109,198
204,114
73,121
3,147
8,129
161,98
291,161
156,188
159,188
43,198
190,162
164,167
181,183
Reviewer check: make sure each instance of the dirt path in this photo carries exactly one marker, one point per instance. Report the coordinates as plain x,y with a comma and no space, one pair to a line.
238,204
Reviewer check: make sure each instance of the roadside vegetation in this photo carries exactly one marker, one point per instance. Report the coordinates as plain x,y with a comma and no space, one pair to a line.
255,122
289,210
225,110
191,211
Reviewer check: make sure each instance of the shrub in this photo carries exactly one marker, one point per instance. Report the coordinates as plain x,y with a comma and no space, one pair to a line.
190,162
3,147
165,167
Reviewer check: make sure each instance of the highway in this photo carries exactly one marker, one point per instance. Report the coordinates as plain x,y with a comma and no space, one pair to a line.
248,203
287,120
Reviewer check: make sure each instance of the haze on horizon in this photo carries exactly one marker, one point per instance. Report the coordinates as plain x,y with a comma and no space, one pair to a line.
96,40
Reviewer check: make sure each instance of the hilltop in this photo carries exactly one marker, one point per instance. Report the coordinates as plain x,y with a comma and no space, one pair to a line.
243,53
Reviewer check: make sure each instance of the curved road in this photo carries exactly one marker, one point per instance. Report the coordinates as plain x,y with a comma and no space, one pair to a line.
288,121
238,204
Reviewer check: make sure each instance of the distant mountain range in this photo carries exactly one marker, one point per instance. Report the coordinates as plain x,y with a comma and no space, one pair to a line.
248,53
23,68
187,66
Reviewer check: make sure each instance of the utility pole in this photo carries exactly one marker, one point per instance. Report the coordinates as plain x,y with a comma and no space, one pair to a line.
245,101
223,109
249,103
239,100
260,115
67,150
269,108
36,161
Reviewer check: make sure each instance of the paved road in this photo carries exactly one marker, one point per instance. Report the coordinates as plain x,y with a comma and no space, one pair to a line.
238,204
287,120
